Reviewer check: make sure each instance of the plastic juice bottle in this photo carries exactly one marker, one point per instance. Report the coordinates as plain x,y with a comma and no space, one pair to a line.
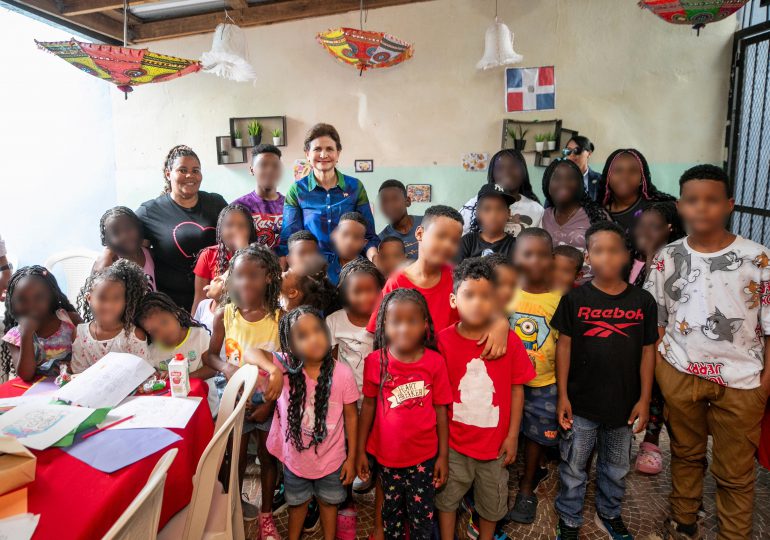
179,376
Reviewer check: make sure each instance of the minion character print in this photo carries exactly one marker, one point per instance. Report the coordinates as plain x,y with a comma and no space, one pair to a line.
533,330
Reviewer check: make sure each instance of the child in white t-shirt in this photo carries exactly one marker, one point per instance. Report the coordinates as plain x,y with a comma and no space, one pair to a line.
206,309
359,286
172,331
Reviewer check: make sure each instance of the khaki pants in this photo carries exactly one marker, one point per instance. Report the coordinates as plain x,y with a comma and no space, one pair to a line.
694,409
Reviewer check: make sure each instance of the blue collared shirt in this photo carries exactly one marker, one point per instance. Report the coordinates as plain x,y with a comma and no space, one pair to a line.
334,269
309,206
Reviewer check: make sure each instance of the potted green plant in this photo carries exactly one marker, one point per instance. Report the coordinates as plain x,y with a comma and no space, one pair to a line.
255,133
276,137
224,157
540,142
551,141
238,140
517,135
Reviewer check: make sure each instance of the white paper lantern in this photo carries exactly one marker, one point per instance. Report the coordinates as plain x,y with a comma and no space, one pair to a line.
227,57
498,47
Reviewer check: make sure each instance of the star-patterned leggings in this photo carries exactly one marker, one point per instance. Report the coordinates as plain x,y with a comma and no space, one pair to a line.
409,495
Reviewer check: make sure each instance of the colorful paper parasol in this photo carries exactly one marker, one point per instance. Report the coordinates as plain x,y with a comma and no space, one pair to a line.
363,49
698,13
122,66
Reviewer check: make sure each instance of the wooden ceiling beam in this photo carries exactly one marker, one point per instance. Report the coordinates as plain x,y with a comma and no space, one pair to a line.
255,15
95,22
237,4
82,7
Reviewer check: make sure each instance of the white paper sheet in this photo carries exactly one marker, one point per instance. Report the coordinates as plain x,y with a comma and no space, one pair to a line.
38,426
20,527
153,412
107,382
24,400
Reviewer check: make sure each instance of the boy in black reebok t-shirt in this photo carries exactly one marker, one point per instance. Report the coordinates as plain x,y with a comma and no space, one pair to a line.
605,361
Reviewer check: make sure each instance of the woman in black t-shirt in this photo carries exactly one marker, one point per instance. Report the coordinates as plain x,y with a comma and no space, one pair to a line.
179,223
626,189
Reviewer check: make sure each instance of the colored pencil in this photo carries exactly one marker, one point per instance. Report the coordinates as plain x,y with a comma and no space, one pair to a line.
108,426
25,387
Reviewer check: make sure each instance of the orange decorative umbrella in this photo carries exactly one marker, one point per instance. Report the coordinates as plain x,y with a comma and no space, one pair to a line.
363,49
122,66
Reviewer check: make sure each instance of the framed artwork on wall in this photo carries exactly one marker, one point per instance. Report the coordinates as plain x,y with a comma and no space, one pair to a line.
419,192
301,168
364,165
475,161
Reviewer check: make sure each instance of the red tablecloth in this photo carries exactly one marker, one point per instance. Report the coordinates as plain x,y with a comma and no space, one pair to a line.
76,501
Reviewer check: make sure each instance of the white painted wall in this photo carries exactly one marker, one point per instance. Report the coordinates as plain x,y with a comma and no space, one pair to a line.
624,77
56,146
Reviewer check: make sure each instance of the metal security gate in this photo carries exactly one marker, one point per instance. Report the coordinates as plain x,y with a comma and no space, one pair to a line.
748,137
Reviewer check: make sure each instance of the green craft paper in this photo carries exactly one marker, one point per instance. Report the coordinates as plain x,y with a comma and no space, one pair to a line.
97,417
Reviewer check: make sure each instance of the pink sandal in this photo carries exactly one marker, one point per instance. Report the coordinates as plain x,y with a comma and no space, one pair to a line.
347,521
649,460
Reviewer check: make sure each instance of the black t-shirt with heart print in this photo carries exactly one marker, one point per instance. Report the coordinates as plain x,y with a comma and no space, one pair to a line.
608,333
177,235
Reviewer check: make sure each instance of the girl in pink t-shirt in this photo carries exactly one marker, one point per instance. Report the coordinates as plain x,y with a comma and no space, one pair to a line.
315,412
404,414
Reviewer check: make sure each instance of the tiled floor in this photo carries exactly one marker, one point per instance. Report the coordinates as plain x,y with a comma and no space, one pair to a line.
645,506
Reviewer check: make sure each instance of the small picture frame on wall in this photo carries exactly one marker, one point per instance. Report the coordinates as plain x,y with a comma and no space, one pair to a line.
364,165
475,161
301,168
419,192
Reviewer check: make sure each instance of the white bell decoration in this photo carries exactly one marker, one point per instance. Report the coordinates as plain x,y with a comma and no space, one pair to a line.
498,47
227,57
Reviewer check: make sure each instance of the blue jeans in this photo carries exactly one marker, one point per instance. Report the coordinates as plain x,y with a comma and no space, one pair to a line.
575,447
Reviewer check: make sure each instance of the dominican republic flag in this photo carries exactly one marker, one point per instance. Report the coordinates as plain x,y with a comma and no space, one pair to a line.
529,89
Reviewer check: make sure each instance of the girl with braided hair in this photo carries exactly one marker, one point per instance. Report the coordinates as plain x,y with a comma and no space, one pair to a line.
249,319
40,324
109,302
179,224
658,225
626,189
314,415
569,210
235,230
122,235
359,289
171,330
406,393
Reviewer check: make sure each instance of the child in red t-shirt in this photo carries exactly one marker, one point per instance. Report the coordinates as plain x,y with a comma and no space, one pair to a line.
488,400
403,421
235,230
438,239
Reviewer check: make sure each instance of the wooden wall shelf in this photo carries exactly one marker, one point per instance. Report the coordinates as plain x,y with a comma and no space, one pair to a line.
533,128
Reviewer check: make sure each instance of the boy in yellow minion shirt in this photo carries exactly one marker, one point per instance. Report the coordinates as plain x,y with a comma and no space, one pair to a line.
530,314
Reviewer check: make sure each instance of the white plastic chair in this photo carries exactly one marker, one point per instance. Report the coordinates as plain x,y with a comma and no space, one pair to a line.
213,514
76,265
140,520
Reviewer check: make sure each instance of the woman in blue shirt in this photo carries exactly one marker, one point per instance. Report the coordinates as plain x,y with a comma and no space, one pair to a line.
317,201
